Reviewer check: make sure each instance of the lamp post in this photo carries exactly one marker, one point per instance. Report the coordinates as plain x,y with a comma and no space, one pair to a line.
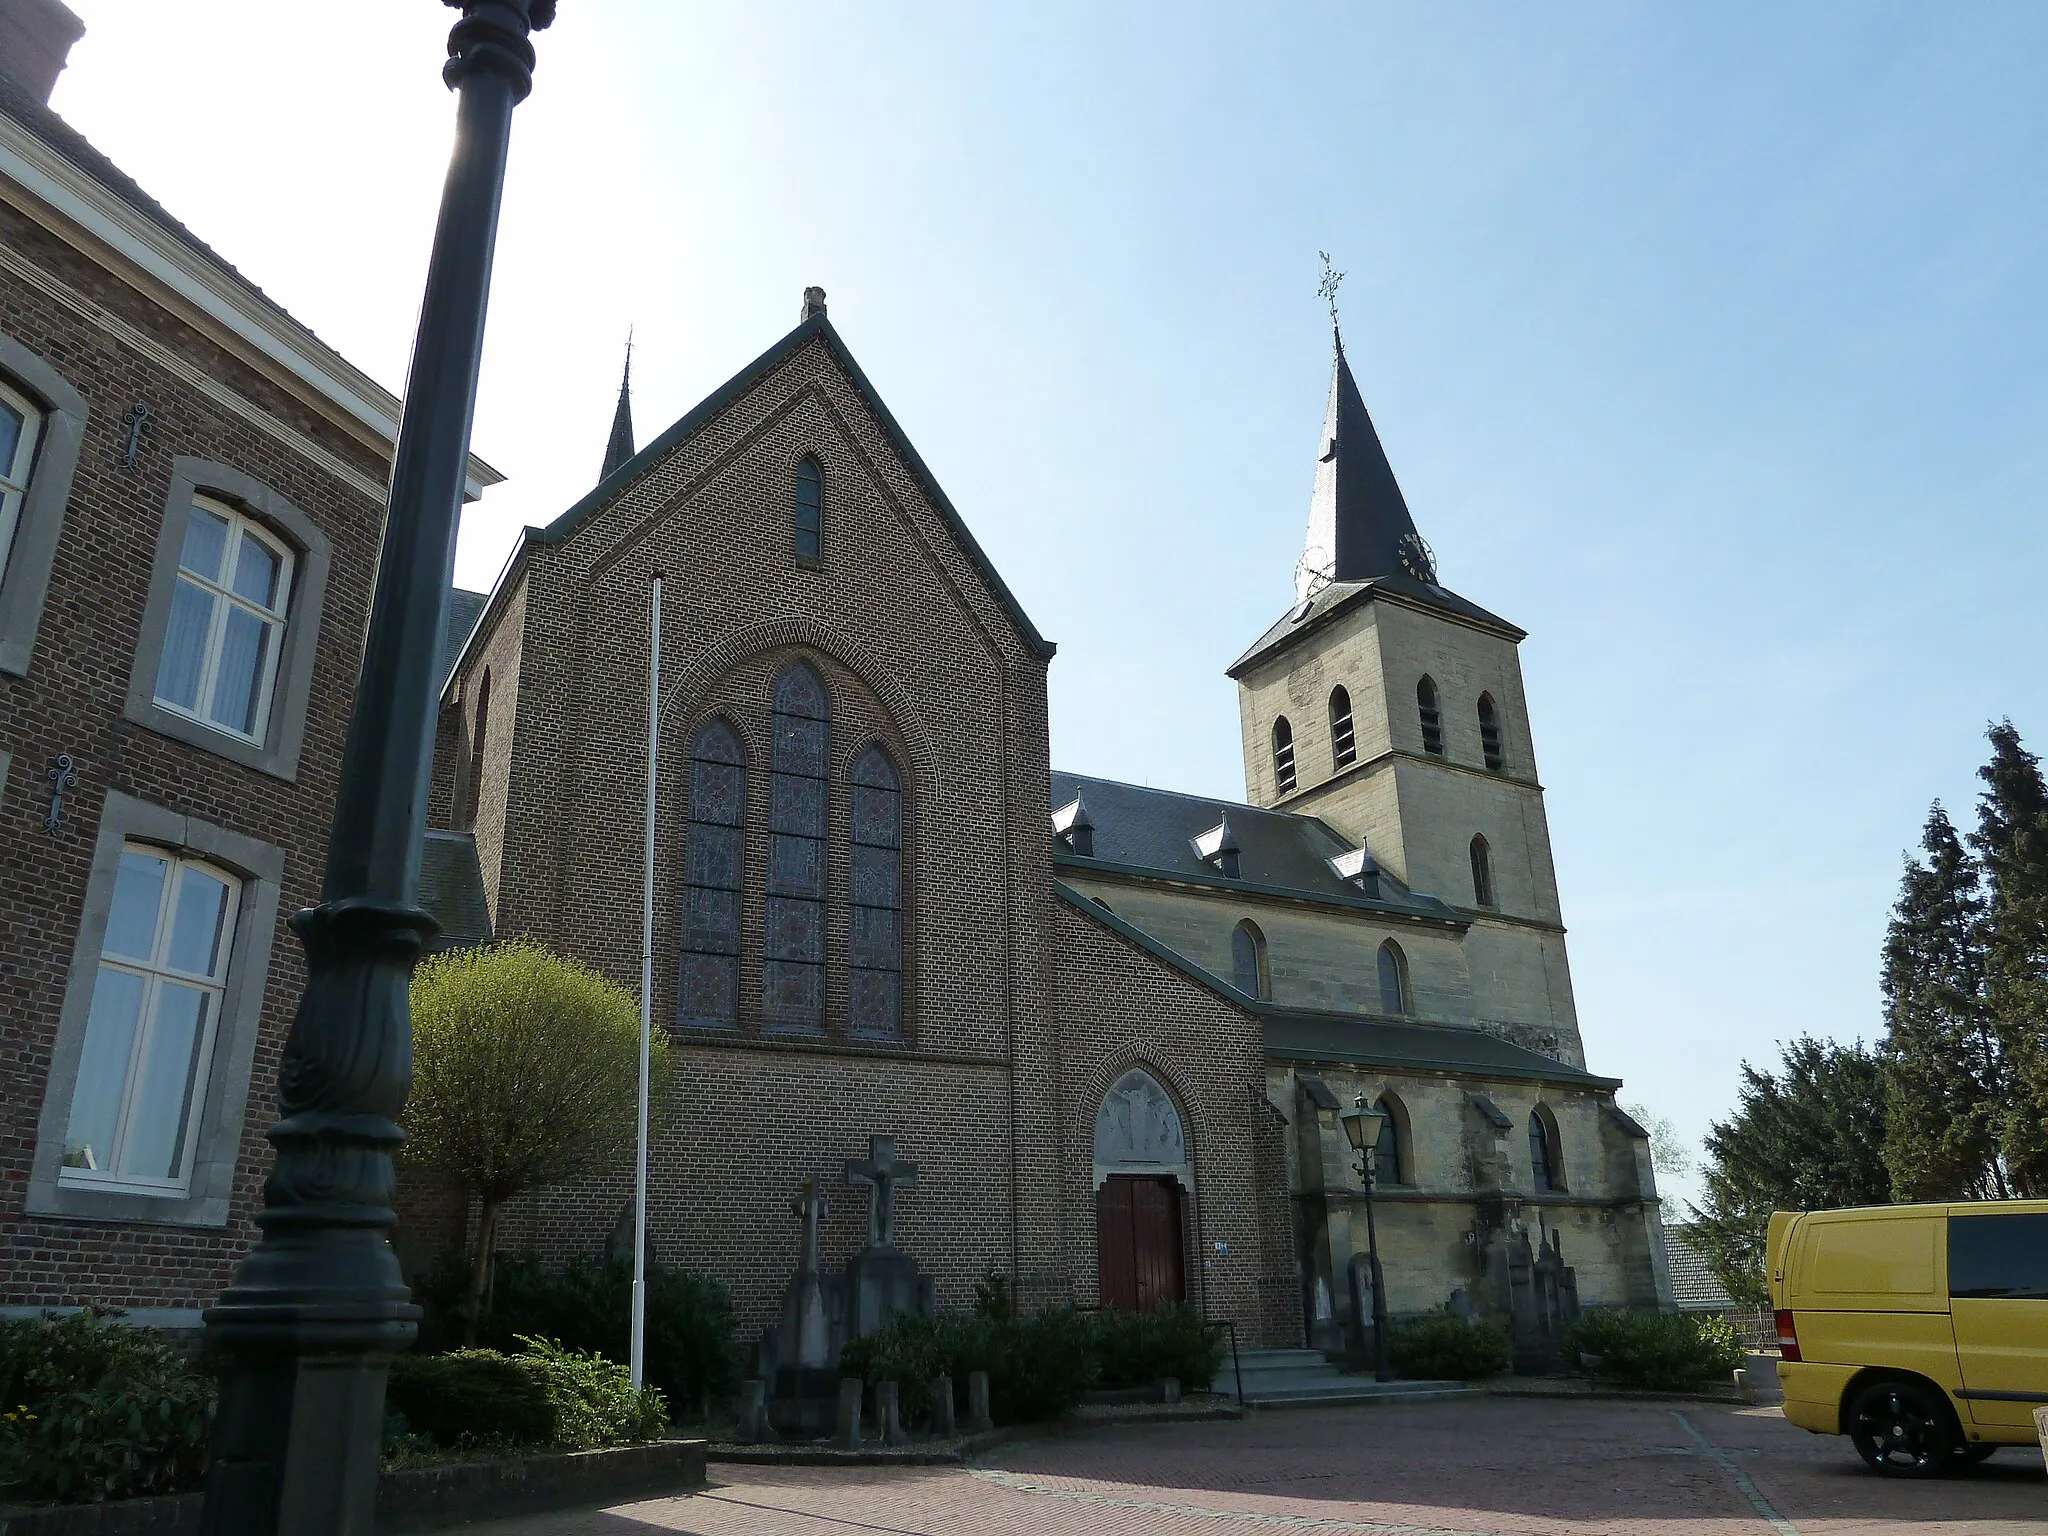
309,1323
1364,1124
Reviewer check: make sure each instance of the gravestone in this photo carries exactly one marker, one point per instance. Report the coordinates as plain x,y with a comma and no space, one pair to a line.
942,1407
882,1282
806,1348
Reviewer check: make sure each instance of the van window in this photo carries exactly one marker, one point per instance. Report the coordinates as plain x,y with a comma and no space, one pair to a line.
1851,1257
1998,1256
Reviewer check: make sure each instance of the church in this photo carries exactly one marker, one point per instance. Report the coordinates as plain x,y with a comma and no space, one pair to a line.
1114,1027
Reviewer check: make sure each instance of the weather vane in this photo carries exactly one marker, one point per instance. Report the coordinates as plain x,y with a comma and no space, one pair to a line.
1326,290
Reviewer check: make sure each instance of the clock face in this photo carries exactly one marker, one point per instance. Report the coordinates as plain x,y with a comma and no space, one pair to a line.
1416,558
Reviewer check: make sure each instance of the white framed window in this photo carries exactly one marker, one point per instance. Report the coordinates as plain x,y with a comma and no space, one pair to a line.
138,1096
227,621
21,428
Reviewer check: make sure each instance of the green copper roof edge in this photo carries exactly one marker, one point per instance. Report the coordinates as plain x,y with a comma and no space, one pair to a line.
1440,912
713,404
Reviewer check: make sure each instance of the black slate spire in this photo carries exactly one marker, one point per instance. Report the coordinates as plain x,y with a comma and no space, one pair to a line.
1358,522
620,448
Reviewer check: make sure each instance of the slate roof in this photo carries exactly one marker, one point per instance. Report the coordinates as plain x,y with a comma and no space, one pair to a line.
618,449
452,890
1152,832
464,609
1398,1045
1340,597
1694,1287
1358,521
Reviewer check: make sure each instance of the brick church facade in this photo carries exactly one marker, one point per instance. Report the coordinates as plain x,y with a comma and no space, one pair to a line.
1113,1026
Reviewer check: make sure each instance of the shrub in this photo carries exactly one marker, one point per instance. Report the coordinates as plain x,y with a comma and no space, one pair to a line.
544,1396
1442,1346
1038,1366
1657,1351
1136,1349
587,1306
97,1410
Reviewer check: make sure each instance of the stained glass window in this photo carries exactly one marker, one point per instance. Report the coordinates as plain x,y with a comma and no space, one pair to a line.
874,979
709,985
793,955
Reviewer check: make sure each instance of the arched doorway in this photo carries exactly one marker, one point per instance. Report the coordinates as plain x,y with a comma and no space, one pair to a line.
1141,1177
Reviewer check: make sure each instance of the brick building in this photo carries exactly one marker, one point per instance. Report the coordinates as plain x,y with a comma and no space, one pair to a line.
1112,1025
191,498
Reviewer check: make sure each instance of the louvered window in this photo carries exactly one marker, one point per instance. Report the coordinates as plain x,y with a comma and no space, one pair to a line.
1283,756
810,512
1432,718
1343,741
1489,733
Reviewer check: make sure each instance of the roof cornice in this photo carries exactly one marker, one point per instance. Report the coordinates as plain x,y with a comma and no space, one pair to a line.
1222,885
85,214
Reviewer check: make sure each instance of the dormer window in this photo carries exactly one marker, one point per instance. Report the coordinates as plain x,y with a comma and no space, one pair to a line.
1343,741
1283,757
1359,869
1432,717
1074,829
1217,848
1489,733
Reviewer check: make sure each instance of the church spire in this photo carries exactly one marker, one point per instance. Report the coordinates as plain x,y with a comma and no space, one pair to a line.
620,448
1358,522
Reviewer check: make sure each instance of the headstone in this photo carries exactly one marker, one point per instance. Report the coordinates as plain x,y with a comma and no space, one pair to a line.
882,1282
1169,1390
806,1347
979,1420
888,1417
847,1434
942,1407
618,1246
753,1414
1461,1305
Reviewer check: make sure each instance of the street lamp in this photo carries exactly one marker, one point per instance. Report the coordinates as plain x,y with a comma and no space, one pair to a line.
308,1325
1364,1124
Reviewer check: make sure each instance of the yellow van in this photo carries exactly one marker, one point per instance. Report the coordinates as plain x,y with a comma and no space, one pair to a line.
1919,1331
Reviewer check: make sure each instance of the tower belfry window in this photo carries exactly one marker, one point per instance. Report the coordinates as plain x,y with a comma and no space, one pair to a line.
1343,739
1489,733
1482,873
1432,717
1283,757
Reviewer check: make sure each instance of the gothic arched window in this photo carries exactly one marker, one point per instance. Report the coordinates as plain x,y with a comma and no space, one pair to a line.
1489,733
1248,971
810,511
1432,717
1546,1159
1283,757
1482,872
874,981
708,987
1343,740
1394,994
793,947
1390,1159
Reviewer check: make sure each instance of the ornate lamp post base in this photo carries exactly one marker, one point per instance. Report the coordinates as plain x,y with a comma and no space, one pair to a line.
316,1311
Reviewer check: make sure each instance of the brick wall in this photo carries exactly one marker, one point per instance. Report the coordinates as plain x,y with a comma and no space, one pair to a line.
71,701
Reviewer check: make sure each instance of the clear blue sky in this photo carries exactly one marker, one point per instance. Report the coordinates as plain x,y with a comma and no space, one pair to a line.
1709,342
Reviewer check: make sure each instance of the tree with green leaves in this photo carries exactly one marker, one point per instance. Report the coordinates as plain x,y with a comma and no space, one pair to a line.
1804,1138
1669,1154
1946,1080
2012,841
526,1075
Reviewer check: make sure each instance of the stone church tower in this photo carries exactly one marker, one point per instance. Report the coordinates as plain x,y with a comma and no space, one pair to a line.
1392,709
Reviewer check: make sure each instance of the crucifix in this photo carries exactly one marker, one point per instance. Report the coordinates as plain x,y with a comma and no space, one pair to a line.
882,1173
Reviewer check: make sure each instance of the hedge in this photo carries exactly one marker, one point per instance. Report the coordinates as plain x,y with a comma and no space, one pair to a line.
1660,1352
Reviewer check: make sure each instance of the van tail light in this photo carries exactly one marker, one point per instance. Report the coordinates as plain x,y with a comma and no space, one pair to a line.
1788,1338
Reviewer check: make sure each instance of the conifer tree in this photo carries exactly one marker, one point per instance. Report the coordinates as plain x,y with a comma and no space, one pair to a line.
1805,1138
2012,841
1945,1077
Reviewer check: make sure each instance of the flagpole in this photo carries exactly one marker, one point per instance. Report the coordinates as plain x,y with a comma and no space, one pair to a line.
639,1345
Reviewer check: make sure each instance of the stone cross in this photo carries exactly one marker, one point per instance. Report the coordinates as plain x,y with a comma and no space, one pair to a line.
882,1173
810,1205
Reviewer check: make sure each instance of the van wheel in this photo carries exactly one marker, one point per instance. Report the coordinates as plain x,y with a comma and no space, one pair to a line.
1903,1429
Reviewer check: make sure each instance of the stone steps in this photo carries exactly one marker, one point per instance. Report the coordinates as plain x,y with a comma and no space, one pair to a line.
1305,1378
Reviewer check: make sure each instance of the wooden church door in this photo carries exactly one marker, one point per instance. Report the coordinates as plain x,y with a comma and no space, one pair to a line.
1138,1242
